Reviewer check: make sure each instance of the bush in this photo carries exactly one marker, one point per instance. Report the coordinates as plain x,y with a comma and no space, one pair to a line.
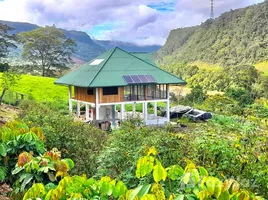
242,96
76,140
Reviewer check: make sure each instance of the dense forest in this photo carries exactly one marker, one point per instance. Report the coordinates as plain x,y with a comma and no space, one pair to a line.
236,37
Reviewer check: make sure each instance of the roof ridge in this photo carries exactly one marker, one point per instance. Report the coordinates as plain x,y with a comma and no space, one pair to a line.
150,64
102,66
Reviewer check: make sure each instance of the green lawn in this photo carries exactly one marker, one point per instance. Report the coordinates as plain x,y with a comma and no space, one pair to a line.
41,88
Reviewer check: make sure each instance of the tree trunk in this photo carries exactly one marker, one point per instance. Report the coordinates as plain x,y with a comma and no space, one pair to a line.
2,95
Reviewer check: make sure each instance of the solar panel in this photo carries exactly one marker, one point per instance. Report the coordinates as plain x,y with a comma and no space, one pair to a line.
143,79
150,78
128,79
136,79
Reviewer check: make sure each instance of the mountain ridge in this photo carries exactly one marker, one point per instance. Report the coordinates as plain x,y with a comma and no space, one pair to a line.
236,37
87,48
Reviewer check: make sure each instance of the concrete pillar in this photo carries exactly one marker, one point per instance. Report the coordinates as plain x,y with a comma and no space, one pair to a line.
122,111
78,109
155,109
133,109
70,99
87,112
145,112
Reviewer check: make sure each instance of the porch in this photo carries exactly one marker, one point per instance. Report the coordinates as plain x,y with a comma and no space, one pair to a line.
115,113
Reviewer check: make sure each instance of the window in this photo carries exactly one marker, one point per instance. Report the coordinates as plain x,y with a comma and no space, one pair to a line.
110,90
90,91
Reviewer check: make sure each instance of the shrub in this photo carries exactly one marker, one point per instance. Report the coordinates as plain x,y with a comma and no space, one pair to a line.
76,140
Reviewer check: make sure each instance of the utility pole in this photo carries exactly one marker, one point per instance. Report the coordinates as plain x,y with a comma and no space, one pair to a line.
212,9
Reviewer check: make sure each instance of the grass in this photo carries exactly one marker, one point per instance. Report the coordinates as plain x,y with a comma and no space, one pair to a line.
207,66
41,89
263,67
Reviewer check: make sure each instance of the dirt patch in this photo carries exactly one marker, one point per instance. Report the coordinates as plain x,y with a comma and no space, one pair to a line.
8,113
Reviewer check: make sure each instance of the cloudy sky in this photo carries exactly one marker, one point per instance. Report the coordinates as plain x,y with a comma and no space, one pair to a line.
139,21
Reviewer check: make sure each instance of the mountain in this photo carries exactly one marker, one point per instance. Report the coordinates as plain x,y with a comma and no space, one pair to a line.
130,47
236,37
87,48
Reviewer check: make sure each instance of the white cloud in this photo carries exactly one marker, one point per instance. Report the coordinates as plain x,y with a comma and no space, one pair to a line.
138,22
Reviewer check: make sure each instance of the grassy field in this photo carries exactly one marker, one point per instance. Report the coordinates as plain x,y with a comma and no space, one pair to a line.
207,66
263,67
41,88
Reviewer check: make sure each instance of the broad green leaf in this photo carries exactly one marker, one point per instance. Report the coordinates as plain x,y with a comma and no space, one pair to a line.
174,172
145,166
26,180
186,177
224,196
3,149
159,172
180,197
144,190
218,188
202,171
119,189
195,175
69,162
17,170
135,192
148,197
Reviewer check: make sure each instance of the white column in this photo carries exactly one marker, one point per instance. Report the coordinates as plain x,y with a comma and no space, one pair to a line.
145,112
78,109
87,112
70,99
122,111
155,109
97,105
168,113
133,109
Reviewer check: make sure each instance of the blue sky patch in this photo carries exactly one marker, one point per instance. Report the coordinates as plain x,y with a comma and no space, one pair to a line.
163,6
97,30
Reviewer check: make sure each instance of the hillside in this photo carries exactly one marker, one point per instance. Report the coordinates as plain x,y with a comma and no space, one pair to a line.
87,48
236,37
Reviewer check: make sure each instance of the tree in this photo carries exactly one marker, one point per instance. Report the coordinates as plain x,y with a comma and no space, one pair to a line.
8,80
47,48
6,40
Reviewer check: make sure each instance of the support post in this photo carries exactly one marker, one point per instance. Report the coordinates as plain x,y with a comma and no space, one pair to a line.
113,115
97,104
78,109
122,111
70,99
168,112
145,112
155,109
134,109
87,112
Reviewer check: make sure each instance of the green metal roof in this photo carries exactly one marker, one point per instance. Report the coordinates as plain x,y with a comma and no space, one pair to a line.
108,69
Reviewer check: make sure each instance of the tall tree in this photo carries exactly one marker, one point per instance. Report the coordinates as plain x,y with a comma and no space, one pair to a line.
6,40
47,48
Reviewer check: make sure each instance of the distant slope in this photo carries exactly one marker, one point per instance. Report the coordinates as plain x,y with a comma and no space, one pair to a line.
87,49
236,37
130,47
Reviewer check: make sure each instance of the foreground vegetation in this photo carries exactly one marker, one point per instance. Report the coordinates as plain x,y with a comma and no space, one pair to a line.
37,173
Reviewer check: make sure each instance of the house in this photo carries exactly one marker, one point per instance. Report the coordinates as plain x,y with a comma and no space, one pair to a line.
119,78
